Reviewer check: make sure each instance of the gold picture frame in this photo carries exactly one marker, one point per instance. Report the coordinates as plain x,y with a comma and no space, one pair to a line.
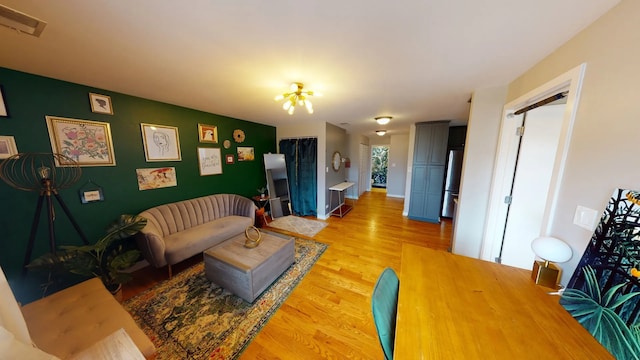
209,161
8,147
100,104
207,133
86,142
161,142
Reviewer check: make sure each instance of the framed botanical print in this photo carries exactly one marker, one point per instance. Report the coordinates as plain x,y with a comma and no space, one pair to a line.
208,133
161,143
86,142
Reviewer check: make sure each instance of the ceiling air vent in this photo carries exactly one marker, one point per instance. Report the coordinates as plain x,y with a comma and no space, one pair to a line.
21,22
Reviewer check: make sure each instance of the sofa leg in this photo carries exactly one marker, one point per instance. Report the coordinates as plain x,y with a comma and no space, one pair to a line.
170,272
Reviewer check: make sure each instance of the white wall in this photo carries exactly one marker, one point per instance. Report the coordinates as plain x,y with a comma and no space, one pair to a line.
407,183
477,169
396,175
603,151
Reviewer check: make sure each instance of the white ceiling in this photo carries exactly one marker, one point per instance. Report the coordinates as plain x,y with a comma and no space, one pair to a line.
413,60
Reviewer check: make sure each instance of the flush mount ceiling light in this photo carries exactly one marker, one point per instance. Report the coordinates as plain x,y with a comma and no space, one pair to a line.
381,132
297,96
383,120
21,22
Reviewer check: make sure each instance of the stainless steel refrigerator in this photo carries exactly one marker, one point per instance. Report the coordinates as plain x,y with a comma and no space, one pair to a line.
451,182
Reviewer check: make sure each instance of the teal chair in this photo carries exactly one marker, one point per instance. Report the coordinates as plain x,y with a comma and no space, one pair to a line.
384,303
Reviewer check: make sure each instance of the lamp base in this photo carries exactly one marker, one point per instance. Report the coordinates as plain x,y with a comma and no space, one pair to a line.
545,275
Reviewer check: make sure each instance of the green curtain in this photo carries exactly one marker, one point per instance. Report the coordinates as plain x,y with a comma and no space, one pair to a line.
301,158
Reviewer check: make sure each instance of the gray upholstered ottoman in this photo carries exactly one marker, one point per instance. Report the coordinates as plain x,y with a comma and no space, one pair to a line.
248,272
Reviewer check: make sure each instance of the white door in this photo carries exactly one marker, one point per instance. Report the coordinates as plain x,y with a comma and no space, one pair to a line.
534,170
519,236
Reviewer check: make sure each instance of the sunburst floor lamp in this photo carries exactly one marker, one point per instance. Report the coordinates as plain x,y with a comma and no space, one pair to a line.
39,172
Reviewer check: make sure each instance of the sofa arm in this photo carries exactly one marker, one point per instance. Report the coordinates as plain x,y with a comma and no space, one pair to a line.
245,207
151,244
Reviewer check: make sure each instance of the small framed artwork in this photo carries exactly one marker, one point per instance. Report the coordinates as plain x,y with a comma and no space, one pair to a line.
245,153
7,147
90,192
208,133
86,142
209,161
161,143
100,104
3,107
230,158
155,178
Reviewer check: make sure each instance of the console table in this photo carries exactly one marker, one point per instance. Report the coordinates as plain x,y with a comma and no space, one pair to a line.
339,189
455,307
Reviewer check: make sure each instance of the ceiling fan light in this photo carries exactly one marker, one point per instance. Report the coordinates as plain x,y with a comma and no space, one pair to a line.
309,106
381,132
383,120
297,97
286,105
279,97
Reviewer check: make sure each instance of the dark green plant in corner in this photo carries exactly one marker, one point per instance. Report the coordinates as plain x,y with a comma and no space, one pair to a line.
596,312
107,258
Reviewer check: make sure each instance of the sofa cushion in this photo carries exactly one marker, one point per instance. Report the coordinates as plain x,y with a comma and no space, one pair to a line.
71,320
184,244
13,349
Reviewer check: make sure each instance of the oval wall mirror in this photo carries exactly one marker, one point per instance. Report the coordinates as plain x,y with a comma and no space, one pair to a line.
336,161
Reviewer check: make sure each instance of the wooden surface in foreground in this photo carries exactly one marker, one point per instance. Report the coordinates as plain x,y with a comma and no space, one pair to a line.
455,307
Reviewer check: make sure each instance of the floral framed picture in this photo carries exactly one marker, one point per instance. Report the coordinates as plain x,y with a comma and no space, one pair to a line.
208,133
100,104
7,147
209,161
86,142
245,153
161,143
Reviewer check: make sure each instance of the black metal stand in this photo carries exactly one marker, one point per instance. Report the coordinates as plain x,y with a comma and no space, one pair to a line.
46,193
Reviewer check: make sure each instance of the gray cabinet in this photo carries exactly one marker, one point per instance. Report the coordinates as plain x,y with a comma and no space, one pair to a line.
429,162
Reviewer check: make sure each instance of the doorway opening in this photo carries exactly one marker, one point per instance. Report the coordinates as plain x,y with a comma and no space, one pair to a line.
379,166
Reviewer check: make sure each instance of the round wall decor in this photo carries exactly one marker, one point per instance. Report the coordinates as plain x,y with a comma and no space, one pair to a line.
226,144
238,135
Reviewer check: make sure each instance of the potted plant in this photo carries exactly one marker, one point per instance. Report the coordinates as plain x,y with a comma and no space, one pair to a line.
107,258
263,192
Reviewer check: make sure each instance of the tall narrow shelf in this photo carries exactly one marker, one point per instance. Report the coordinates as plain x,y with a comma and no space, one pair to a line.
339,189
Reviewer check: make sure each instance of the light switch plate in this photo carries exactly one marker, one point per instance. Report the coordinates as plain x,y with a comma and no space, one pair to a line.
586,218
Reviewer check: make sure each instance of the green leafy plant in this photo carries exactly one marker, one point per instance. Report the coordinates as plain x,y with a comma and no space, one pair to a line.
107,258
596,312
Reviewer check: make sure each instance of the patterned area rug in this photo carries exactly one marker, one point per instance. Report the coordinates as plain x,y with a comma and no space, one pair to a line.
298,225
188,317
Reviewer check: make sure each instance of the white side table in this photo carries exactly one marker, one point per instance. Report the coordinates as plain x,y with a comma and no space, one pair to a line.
339,189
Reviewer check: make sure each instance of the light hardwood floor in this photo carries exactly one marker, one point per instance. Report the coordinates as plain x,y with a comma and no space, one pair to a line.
328,315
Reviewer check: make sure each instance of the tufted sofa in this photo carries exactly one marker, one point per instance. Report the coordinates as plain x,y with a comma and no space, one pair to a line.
70,324
179,230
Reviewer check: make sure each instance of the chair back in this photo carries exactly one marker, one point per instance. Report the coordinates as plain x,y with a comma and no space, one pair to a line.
384,304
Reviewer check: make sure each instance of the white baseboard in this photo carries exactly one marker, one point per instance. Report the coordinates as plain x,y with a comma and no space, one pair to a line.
395,196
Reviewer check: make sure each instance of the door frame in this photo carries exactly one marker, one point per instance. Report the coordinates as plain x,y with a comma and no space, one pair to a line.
503,172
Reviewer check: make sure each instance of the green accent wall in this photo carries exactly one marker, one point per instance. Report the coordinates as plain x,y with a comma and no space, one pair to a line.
29,98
